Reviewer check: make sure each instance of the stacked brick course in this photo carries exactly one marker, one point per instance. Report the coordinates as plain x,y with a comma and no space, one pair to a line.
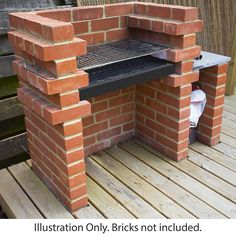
62,129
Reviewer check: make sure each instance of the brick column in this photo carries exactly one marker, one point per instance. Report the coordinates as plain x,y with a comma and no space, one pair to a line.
212,81
50,97
163,107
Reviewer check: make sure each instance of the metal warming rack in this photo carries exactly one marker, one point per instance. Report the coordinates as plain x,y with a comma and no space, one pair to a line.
115,65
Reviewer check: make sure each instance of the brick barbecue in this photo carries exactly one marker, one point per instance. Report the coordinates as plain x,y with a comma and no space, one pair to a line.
62,128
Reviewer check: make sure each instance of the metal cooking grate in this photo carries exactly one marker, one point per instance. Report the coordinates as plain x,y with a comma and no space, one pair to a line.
112,52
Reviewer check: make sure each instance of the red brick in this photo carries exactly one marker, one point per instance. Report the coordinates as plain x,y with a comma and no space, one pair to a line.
57,14
68,99
210,141
179,114
117,34
124,118
76,180
183,41
185,13
76,81
145,24
118,9
133,21
145,130
145,110
177,55
156,105
218,69
213,111
89,141
184,67
123,21
56,32
16,20
176,103
70,128
213,91
157,26
163,11
99,106
139,118
107,114
211,121
88,120
78,204
127,107
140,8
56,116
146,90
215,80
95,128
65,143
173,124
97,147
38,122
177,135
126,98
108,133
104,24
72,194
93,38
70,156
156,126
87,13
80,27
48,52
181,91
215,102
128,126
75,169
107,95
209,131
33,26
175,28
121,138
178,80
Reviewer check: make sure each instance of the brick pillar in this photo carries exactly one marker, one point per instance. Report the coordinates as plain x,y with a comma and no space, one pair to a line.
52,107
163,107
212,81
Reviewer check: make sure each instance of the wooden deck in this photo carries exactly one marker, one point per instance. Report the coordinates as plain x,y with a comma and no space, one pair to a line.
132,180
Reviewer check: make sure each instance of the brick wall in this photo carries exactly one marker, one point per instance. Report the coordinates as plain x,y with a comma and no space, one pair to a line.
52,106
61,129
163,107
212,81
112,120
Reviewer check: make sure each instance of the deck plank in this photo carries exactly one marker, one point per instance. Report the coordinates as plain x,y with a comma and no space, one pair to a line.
89,212
14,201
214,155
108,206
149,155
224,138
121,193
42,197
229,127
229,115
226,149
212,167
206,178
186,200
158,200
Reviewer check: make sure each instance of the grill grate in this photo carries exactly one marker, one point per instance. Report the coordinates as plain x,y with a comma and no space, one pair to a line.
112,52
